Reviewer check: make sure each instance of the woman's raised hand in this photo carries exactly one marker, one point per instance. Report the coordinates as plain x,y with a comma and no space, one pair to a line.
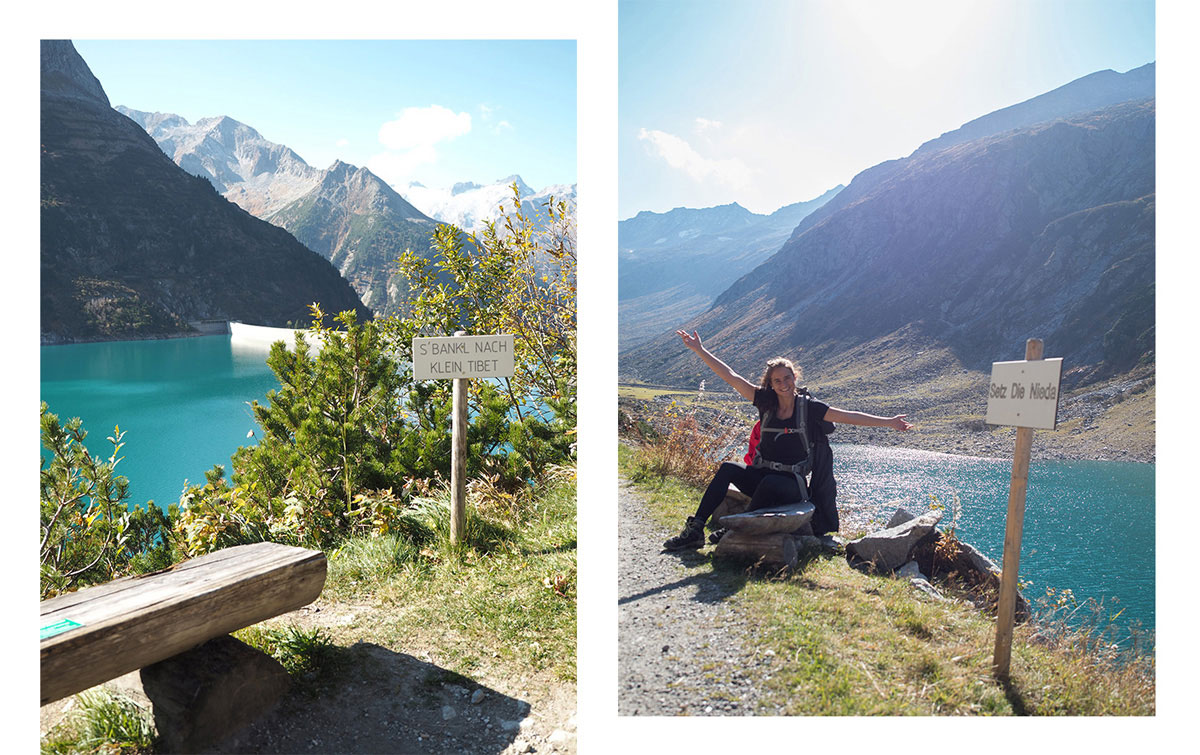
692,341
898,422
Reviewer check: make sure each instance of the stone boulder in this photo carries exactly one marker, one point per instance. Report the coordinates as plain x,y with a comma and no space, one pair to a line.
205,694
890,548
778,549
901,516
785,519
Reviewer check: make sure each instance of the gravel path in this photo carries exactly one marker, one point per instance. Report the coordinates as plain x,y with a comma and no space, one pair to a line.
683,645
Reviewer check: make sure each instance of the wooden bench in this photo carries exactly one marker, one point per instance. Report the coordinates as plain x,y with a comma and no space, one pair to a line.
98,633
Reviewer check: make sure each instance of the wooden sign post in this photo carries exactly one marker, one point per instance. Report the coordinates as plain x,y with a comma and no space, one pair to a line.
1024,394
461,357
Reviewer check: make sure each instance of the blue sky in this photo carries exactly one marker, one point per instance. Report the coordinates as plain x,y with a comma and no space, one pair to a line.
766,103
433,111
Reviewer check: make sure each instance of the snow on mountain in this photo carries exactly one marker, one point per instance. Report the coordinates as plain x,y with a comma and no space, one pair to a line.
469,205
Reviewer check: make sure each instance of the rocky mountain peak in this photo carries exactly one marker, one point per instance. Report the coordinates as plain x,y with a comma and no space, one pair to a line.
66,75
522,187
462,187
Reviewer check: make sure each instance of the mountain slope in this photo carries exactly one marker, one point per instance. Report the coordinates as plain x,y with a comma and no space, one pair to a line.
132,246
1086,94
1042,231
346,214
673,264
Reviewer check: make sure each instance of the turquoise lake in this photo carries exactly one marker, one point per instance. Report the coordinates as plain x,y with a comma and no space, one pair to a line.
182,403
1089,525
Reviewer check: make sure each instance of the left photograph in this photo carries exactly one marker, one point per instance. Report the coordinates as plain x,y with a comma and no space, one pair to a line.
308,396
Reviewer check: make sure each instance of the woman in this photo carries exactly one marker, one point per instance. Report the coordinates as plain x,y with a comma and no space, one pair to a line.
783,453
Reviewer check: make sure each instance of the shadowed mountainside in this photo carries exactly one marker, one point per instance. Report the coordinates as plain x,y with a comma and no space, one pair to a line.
1045,230
348,215
134,247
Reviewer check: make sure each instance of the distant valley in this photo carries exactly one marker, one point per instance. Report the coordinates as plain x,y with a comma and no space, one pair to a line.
673,264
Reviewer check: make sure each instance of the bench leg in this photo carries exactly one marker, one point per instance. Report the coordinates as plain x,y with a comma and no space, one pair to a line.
205,694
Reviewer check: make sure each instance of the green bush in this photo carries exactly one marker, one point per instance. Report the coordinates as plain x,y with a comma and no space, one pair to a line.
88,535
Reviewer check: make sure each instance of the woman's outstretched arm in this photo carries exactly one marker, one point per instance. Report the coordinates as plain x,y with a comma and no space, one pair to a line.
866,420
739,383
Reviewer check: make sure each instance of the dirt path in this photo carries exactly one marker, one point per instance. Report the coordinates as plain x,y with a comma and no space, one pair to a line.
401,700
684,647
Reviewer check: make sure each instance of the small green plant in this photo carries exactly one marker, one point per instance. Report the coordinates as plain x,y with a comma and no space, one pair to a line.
300,651
947,547
87,533
102,722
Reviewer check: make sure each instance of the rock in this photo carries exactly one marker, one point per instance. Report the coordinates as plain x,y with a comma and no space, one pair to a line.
911,570
476,697
558,738
977,559
808,542
778,548
771,520
901,516
522,745
206,694
923,585
889,548
448,712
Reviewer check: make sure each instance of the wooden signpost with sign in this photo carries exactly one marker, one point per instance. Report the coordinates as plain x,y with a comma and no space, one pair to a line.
1024,395
461,357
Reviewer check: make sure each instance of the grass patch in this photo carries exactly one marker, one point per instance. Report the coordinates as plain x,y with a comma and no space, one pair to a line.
849,643
101,722
505,600
310,656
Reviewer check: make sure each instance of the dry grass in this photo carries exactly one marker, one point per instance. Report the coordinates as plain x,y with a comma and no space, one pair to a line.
691,441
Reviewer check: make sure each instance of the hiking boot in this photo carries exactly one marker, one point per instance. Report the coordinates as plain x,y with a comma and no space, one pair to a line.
716,535
692,536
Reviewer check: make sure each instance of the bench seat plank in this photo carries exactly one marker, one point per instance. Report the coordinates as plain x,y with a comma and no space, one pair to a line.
133,622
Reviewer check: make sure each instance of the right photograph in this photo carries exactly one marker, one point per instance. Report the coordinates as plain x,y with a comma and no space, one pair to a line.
886,291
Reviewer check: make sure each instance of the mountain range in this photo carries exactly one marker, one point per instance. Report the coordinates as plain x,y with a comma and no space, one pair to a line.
132,246
1036,220
470,206
345,213
673,264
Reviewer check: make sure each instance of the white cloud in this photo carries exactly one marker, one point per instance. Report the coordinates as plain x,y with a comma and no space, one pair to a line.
410,140
704,124
503,126
680,155
423,127
342,142
397,167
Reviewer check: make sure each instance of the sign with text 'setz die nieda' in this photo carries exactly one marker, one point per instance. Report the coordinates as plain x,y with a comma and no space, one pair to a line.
445,357
1025,394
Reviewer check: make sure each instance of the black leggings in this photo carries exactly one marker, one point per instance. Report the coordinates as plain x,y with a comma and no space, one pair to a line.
769,488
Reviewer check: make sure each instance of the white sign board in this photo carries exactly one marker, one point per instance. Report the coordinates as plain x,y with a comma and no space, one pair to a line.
446,357
1024,394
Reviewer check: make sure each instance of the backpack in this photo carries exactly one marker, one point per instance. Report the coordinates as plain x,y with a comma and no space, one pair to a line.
799,425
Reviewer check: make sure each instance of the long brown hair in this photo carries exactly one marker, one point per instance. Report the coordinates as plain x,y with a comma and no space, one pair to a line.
779,362
766,379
